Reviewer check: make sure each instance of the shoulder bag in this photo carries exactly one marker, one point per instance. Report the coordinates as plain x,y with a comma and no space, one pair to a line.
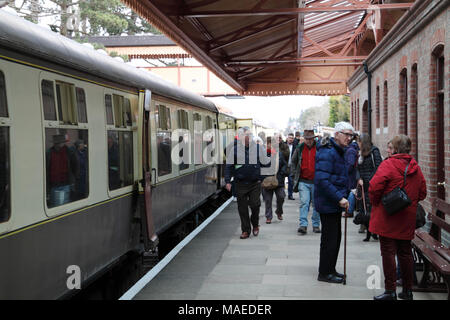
271,182
397,199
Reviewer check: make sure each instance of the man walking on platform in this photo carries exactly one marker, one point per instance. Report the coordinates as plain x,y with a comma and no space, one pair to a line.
302,169
330,198
243,163
290,144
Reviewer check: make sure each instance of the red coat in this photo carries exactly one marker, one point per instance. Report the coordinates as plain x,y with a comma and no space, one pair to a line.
388,176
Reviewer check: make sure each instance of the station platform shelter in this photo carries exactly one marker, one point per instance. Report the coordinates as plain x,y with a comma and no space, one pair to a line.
278,264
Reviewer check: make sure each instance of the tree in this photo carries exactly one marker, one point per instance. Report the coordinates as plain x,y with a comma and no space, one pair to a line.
86,17
339,109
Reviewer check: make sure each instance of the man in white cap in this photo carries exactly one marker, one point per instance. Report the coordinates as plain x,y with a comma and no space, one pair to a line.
330,197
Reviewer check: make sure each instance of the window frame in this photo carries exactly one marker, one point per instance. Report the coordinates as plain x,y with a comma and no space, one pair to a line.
189,127
56,124
112,127
7,123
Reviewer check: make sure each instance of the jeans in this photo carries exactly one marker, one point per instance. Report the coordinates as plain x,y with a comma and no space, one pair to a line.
59,196
351,202
306,192
290,186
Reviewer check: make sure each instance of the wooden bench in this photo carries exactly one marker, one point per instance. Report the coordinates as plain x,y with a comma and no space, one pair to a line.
431,254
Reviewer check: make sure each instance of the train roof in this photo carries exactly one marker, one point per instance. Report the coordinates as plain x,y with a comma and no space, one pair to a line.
26,37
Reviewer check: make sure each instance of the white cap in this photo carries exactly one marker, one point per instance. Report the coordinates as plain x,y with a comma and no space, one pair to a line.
343,126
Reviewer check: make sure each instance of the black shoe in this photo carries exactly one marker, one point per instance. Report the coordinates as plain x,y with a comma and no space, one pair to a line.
387,295
316,229
340,275
302,230
330,278
291,198
406,294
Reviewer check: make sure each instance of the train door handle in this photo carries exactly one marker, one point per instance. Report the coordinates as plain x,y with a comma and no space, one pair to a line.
441,184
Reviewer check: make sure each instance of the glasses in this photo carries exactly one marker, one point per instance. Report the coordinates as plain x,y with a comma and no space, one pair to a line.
349,135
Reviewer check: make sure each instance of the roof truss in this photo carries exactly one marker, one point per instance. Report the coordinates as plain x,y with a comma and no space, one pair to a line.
308,45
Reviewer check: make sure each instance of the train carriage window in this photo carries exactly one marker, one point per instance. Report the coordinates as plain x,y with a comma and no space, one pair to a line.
3,102
81,105
198,139
128,121
5,205
164,140
208,137
67,110
48,100
120,159
5,208
118,103
108,107
183,123
120,141
67,165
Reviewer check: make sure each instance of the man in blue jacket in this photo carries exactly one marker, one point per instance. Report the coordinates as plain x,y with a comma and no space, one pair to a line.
243,163
332,189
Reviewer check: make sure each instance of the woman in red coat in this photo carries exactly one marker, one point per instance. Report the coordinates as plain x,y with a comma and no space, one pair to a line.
396,231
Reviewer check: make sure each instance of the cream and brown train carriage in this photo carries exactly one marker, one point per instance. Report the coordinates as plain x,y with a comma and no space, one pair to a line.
256,126
81,137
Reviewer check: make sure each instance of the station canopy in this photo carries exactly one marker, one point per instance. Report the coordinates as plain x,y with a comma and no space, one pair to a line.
276,47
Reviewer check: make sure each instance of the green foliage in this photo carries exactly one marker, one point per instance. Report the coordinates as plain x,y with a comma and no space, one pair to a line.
88,17
339,109
309,118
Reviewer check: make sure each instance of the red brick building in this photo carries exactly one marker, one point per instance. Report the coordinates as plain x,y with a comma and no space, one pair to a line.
409,75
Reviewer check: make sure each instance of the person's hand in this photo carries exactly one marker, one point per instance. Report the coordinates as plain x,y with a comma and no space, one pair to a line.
343,203
228,187
361,182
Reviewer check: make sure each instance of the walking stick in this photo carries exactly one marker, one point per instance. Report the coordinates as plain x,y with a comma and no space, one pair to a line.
345,248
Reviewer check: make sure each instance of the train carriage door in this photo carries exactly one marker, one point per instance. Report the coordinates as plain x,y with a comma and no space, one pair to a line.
145,100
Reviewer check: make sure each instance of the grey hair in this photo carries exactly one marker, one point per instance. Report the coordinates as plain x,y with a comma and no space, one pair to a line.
343,126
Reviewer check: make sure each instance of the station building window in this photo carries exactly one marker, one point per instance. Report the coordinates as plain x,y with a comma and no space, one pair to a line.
403,110
120,141
164,139
5,201
183,139
66,142
385,104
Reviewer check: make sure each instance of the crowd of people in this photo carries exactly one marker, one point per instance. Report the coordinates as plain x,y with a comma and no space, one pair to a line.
339,175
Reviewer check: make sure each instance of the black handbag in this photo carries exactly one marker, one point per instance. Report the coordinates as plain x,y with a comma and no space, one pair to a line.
397,199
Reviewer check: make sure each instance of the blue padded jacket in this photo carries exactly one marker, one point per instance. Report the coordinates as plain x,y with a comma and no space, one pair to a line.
331,177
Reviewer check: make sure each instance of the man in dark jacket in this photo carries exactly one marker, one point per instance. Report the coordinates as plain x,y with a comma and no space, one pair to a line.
244,165
330,198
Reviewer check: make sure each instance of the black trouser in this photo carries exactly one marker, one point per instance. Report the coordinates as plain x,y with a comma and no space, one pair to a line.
268,196
248,195
330,242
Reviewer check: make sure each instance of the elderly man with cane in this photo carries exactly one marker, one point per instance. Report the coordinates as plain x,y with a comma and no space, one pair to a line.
330,198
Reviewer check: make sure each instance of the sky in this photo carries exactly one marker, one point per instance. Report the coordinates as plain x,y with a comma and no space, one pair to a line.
271,111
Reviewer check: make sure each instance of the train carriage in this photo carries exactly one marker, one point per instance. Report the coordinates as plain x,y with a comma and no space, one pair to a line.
86,168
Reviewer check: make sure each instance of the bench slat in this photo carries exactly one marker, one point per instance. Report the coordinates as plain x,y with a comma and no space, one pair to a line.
434,258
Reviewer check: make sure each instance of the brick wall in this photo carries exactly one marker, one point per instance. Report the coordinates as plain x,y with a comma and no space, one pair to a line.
417,63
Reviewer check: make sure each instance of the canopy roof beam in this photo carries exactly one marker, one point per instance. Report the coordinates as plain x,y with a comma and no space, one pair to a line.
295,11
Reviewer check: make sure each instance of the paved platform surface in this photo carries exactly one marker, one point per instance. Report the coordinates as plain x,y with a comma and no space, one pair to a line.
277,264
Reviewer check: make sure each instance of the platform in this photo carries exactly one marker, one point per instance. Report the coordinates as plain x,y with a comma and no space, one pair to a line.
277,264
